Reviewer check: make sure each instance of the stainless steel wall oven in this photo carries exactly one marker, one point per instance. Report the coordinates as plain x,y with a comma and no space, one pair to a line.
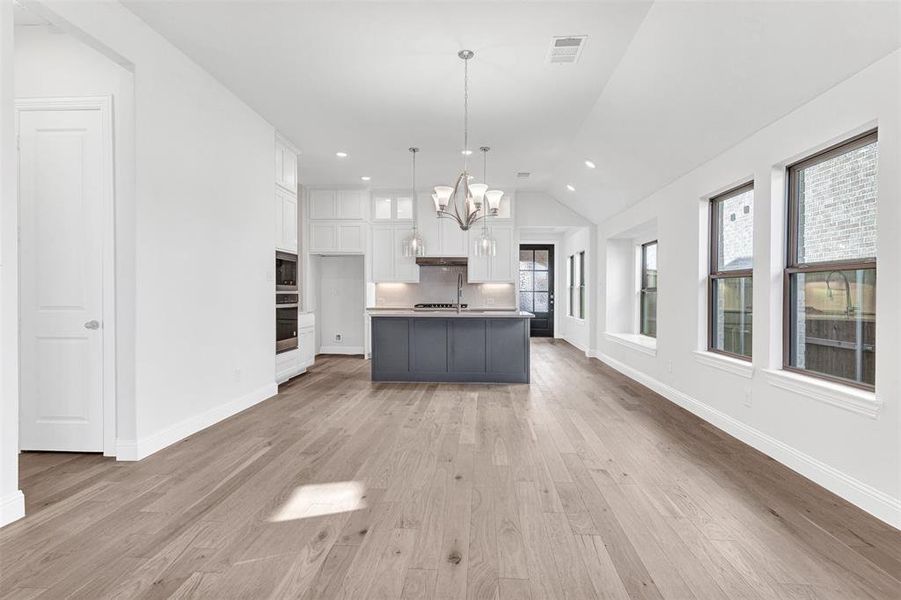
286,307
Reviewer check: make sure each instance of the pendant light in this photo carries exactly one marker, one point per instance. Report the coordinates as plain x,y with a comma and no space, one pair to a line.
485,245
413,245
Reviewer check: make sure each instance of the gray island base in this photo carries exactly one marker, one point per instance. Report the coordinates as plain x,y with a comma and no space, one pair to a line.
466,347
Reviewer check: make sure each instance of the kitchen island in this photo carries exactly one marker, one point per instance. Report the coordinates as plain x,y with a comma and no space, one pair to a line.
477,346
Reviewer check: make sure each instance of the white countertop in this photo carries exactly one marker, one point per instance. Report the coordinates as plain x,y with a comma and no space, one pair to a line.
444,313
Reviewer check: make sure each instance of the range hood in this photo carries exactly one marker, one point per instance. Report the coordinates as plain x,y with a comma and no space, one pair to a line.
441,261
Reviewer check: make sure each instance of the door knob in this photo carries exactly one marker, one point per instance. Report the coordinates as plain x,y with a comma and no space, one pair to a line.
92,324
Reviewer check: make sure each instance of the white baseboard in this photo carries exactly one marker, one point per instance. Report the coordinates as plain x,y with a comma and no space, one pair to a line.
877,503
341,350
144,447
12,507
575,344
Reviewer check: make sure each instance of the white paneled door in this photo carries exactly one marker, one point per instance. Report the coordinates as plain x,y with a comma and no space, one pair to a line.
61,204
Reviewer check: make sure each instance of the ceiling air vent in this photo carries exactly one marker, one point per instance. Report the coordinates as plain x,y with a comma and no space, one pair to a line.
566,49
523,175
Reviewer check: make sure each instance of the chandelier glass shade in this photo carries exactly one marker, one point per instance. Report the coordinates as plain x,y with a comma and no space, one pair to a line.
413,245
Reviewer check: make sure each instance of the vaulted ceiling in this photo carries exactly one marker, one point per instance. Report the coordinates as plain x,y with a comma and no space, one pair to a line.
659,88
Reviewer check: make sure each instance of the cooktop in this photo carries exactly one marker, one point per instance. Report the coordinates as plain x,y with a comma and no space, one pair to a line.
438,305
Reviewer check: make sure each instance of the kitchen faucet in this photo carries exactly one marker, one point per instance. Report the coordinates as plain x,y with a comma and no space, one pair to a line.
849,307
459,291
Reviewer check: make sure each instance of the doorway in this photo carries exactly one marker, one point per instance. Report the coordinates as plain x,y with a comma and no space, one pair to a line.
536,286
67,368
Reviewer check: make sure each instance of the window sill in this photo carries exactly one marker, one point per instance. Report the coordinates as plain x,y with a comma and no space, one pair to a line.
735,366
641,343
836,394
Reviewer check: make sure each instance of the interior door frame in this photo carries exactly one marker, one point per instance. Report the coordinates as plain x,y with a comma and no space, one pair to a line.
556,245
104,104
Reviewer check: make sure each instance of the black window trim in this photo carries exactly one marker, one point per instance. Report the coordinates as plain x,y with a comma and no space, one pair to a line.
714,274
793,266
643,290
570,284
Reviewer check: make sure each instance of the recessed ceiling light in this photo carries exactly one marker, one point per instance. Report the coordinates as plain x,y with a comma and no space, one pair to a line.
341,154
365,177
570,187
465,152
589,164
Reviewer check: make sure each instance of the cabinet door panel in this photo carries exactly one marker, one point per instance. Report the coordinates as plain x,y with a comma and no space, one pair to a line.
350,238
289,220
350,204
429,345
322,204
382,255
391,345
306,345
502,262
469,343
428,225
323,236
405,267
507,352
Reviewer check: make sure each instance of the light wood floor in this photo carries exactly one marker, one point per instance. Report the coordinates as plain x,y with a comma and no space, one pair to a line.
582,485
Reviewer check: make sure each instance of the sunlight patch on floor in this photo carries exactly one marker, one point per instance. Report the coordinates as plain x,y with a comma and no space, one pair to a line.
316,500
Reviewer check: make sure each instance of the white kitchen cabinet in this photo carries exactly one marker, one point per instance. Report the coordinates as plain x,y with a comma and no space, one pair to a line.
442,237
285,220
338,204
392,207
351,204
323,204
306,340
337,237
388,261
285,166
499,268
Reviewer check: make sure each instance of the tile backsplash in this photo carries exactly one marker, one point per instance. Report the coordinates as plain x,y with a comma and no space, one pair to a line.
439,284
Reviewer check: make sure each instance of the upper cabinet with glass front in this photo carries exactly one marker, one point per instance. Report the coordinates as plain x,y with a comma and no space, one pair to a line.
392,207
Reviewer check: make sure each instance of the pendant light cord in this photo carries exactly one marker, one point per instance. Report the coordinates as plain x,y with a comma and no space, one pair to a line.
465,113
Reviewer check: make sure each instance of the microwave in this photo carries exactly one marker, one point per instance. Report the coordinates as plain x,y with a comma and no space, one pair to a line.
285,272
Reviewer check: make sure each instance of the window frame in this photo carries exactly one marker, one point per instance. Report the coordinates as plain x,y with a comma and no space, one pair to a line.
713,272
792,266
570,284
581,284
642,290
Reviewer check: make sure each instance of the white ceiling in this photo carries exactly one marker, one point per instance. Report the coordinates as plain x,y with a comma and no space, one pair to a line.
659,88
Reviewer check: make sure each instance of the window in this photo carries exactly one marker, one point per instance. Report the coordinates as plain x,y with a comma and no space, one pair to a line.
575,282
830,278
582,284
648,299
535,295
730,295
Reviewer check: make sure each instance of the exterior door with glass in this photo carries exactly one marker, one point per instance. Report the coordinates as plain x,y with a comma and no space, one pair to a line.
536,286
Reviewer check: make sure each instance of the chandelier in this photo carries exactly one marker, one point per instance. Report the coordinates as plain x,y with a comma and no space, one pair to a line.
464,202
413,245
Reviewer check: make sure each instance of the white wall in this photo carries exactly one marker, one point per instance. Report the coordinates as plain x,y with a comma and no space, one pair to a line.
12,502
540,209
341,304
854,455
203,213
574,330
